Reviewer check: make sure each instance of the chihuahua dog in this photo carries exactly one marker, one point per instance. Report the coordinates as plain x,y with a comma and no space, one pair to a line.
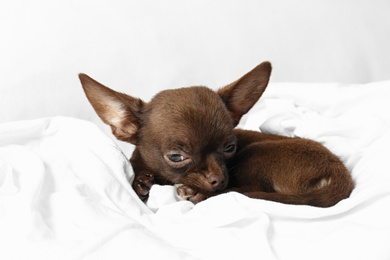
186,136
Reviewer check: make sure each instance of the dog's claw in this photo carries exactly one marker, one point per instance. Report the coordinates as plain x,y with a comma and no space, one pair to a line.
188,193
142,185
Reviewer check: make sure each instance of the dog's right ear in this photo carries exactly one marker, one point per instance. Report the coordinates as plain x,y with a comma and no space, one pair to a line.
118,110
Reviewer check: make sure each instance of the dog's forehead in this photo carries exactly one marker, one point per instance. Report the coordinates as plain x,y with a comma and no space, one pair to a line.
190,112
186,103
190,95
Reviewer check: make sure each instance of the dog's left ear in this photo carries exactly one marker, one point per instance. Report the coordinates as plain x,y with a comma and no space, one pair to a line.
241,95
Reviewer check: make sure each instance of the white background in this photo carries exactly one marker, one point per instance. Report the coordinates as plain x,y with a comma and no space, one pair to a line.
140,47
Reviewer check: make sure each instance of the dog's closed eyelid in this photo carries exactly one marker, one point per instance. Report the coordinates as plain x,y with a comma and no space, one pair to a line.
230,148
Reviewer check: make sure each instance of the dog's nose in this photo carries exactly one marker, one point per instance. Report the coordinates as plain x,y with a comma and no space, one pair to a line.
217,181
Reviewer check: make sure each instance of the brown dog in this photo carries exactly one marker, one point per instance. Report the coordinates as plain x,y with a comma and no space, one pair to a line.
186,136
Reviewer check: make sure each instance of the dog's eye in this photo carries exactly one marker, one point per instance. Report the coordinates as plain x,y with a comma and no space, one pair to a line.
175,157
230,148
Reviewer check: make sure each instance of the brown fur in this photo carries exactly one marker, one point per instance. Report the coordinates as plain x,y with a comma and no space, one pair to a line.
186,136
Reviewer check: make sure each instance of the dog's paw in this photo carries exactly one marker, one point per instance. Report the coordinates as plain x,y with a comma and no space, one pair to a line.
142,184
188,193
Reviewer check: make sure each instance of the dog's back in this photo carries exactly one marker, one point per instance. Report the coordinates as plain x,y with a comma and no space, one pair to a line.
288,170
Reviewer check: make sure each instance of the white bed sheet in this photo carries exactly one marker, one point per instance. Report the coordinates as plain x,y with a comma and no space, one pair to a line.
65,193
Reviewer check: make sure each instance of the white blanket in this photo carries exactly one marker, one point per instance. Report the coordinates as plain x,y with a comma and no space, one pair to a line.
65,192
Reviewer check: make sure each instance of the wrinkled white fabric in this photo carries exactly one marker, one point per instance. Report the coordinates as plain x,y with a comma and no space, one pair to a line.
65,192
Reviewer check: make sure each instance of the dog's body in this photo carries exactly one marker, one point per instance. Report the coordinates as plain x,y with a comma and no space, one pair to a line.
186,136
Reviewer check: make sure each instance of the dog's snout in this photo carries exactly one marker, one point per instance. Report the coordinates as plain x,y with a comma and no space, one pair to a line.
217,181
216,175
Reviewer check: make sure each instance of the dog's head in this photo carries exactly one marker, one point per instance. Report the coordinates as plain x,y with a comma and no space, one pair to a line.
183,135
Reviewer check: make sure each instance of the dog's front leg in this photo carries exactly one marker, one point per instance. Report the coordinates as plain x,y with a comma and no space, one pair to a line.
142,184
189,193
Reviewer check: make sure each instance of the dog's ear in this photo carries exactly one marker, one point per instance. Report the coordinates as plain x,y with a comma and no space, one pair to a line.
118,110
241,95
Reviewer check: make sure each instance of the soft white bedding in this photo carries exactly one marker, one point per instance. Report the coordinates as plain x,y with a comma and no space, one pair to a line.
64,191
